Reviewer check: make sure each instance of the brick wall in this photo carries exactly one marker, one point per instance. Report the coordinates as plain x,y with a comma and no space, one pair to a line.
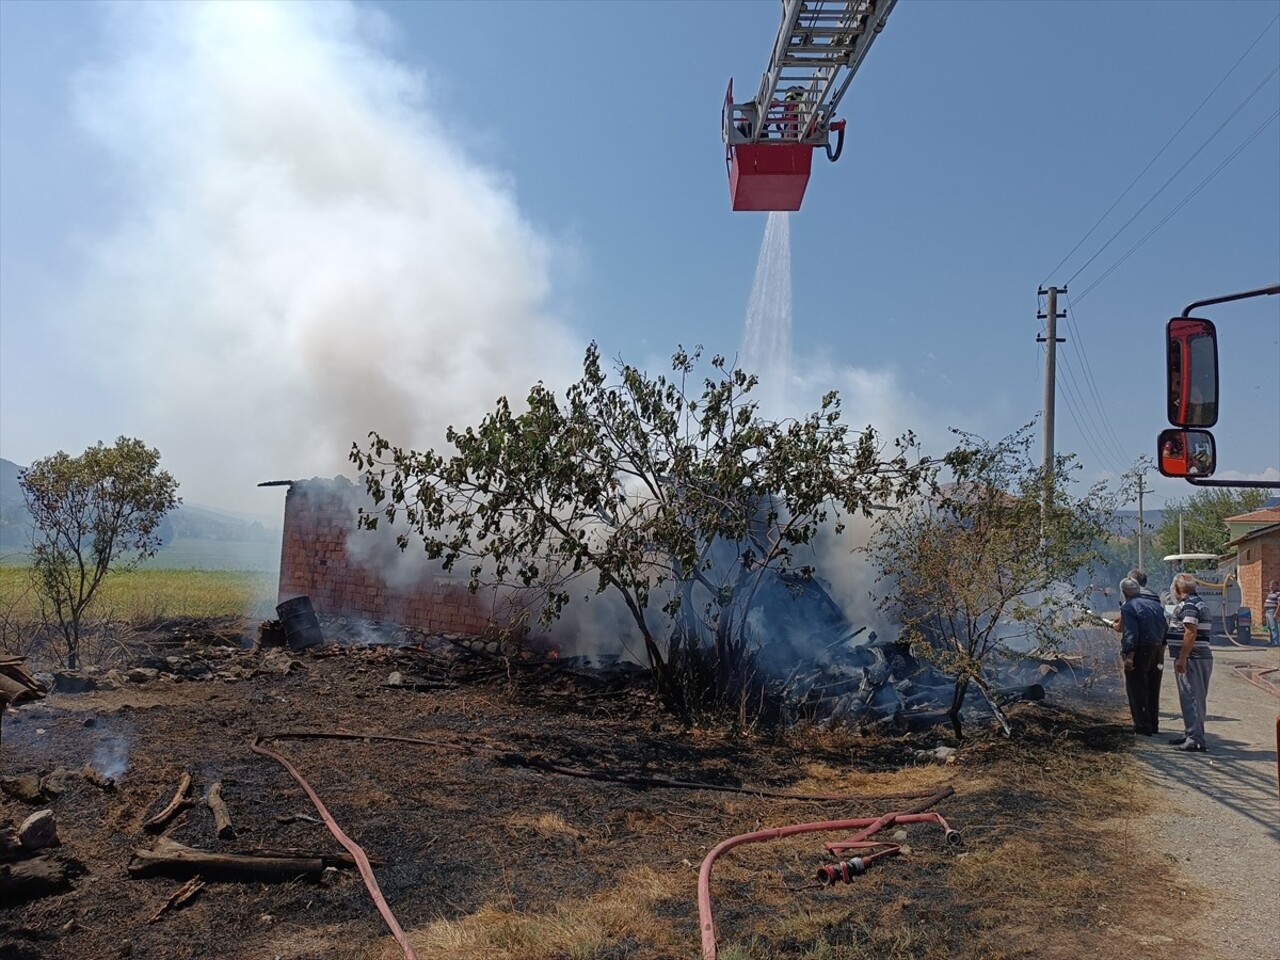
319,559
1259,565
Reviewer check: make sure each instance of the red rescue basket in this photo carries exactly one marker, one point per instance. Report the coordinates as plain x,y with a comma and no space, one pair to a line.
768,158
768,176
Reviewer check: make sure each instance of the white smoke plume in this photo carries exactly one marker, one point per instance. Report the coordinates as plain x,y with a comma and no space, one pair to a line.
111,756
309,254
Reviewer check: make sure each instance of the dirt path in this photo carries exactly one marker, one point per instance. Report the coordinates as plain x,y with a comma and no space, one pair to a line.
1222,820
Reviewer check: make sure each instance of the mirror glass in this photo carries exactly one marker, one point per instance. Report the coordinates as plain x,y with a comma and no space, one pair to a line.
1186,453
1192,346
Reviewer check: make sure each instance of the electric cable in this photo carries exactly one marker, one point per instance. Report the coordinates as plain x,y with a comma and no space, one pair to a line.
1077,409
1109,460
1159,153
1187,199
1077,343
1231,116
1069,398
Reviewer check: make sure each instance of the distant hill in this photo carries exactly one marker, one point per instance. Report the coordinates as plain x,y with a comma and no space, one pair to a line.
193,536
1127,521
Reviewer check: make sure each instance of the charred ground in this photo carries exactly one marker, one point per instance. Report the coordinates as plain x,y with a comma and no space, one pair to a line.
485,851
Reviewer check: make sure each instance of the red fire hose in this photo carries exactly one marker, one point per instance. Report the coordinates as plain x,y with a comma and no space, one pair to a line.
362,862
869,824
859,839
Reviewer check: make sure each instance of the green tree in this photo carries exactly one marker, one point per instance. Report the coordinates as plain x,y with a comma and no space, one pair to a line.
984,561
1203,514
664,496
91,514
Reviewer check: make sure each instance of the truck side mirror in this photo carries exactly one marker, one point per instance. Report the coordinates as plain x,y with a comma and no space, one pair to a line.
1192,373
1186,453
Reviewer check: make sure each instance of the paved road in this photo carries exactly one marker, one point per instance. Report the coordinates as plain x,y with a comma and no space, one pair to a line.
1222,821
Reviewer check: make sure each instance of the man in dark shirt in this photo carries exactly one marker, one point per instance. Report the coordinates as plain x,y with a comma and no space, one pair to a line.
1142,623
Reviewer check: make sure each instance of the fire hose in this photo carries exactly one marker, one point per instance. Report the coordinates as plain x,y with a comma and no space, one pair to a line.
362,861
1258,676
846,870
868,825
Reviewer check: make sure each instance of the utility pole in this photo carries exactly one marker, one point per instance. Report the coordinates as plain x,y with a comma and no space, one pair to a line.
1051,341
1141,527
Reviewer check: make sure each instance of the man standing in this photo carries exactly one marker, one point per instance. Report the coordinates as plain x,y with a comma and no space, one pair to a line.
1270,615
1142,646
1195,662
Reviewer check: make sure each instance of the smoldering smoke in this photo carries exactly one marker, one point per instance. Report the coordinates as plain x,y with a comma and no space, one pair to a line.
308,254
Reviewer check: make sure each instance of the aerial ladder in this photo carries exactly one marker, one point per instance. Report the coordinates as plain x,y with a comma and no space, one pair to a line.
770,140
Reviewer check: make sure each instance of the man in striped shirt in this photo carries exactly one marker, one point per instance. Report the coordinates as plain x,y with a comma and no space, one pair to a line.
1195,662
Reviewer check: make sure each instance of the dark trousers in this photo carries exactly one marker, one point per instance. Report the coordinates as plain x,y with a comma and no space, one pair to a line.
1142,684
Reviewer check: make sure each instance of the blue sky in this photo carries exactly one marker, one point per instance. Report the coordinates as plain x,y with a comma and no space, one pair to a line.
248,236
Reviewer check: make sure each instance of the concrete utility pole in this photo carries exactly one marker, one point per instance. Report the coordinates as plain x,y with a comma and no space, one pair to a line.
1051,341
1141,527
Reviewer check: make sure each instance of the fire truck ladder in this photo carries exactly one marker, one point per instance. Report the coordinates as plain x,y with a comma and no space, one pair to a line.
819,47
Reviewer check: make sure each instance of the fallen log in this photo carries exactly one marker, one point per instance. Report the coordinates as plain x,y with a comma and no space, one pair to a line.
221,817
171,858
175,806
16,684
27,879
179,898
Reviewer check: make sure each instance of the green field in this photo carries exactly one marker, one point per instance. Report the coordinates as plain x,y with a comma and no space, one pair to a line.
183,553
244,555
150,593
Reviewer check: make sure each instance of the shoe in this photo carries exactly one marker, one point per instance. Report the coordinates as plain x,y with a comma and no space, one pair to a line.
1145,733
1190,746
1177,741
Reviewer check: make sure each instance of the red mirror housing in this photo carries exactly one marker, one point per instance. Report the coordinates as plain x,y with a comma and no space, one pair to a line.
1186,453
1192,366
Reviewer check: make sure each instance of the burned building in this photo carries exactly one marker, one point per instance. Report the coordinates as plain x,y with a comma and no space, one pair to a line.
362,574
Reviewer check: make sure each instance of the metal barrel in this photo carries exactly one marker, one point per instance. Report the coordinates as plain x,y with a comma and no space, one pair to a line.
300,623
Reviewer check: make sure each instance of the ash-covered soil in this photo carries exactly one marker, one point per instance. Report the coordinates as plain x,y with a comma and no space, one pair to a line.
481,819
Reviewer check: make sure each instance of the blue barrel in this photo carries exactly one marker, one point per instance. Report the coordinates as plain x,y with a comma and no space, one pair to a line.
300,624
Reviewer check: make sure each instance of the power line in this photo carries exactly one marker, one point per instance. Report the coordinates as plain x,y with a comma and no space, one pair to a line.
1075,407
1068,395
1078,343
1159,153
1086,410
1187,199
1231,116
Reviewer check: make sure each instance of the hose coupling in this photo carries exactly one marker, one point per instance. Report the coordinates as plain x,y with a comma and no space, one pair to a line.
842,872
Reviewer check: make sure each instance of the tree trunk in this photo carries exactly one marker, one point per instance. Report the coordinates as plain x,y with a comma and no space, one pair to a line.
73,642
957,701
175,859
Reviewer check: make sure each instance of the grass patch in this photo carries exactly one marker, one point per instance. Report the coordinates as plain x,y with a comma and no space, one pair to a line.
147,594
578,929
1054,867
